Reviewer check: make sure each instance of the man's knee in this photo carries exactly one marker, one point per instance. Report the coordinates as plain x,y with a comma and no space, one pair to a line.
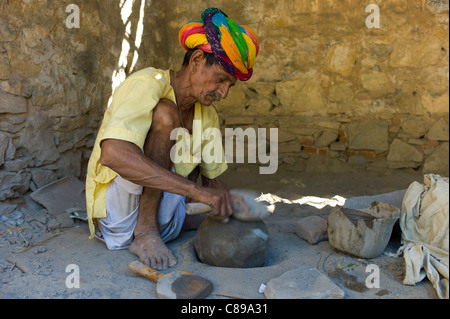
165,115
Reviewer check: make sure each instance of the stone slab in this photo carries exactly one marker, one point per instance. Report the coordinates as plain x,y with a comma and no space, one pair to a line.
304,282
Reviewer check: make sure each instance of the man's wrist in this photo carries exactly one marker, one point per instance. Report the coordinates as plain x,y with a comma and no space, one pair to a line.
194,191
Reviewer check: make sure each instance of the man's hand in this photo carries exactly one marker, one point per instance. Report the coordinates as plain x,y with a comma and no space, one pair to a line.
215,194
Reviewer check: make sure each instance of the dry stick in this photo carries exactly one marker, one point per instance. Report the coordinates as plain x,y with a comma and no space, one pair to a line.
38,243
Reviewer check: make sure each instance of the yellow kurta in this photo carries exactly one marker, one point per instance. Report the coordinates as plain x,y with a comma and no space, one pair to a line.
129,118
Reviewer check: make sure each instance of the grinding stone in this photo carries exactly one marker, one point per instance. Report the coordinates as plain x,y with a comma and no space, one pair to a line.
235,244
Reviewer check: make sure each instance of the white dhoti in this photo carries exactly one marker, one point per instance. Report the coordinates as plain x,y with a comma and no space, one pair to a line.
122,208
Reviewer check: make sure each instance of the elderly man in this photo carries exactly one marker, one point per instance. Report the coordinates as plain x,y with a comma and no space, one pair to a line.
135,190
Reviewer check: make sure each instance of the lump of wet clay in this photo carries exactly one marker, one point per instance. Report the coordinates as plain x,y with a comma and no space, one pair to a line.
234,244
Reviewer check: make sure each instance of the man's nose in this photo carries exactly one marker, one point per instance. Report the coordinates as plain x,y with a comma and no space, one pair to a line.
223,91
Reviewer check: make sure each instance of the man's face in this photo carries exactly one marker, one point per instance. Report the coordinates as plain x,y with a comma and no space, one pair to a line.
211,83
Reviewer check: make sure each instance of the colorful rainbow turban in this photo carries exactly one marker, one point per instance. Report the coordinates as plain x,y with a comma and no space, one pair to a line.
235,47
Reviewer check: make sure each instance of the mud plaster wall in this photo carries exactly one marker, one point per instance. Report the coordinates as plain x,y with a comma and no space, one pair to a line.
341,94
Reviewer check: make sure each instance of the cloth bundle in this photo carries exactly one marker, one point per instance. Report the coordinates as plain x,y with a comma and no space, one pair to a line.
234,46
424,221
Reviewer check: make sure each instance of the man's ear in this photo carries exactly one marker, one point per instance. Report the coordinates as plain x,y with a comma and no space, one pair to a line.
197,58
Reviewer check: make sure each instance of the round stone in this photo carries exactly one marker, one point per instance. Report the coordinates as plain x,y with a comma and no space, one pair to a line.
234,244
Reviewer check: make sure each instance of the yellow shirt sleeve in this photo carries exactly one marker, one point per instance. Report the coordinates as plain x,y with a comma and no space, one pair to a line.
131,111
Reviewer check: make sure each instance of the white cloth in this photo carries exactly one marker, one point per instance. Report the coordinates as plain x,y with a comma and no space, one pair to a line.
424,222
122,209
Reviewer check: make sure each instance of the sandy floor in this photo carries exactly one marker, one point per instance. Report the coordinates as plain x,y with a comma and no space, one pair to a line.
40,271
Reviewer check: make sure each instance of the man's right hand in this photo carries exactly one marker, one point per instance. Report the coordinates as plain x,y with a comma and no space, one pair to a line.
218,199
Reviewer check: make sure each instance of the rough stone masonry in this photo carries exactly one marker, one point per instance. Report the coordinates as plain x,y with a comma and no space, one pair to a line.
342,95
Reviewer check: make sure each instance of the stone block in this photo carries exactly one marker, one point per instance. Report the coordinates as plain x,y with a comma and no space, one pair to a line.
42,177
404,155
38,139
437,162
437,6
377,83
415,54
339,147
326,139
313,229
439,131
368,135
4,70
18,164
261,105
305,282
301,95
10,103
340,93
12,184
7,33
416,128
435,104
4,142
341,59
263,88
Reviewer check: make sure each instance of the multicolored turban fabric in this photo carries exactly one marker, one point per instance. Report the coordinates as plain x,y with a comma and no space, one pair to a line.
234,46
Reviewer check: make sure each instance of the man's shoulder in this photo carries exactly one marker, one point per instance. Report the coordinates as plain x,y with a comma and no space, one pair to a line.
151,73
147,78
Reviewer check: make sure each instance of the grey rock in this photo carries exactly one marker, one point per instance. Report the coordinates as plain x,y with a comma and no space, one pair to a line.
305,282
313,229
437,162
37,138
439,131
18,164
53,224
6,208
403,155
234,244
4,141
437,6
12,184
326,139
368,135
10,103
42,177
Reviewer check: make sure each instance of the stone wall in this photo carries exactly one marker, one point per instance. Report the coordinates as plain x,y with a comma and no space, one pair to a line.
55,83
340,93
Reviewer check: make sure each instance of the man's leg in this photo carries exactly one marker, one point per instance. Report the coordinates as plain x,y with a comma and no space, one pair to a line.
147,243
193,222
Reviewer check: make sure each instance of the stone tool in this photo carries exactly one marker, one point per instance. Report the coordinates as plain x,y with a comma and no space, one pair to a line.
175,285
246,207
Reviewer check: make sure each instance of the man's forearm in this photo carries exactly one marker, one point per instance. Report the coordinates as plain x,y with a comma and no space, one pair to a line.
129,162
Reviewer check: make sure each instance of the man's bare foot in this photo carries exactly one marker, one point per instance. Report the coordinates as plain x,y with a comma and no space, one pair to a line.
152,251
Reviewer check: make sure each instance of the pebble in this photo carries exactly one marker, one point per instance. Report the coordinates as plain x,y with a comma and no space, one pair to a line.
40,250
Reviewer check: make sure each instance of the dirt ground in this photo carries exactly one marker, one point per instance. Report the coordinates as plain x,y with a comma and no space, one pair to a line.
43,267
